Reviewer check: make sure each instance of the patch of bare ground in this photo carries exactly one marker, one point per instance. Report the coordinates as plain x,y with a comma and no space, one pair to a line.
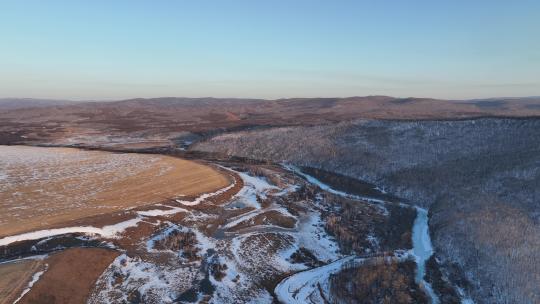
46,187
133,236
70,276
15,277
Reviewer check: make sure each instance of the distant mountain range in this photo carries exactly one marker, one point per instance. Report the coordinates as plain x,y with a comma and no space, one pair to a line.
19,103
498,102
31,120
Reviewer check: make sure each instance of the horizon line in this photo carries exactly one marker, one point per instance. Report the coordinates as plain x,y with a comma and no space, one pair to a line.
256,98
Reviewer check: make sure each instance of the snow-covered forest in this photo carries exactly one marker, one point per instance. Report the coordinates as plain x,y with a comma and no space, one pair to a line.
479,178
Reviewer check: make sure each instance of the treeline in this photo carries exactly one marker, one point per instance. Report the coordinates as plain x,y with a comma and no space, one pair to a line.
385,282
362,227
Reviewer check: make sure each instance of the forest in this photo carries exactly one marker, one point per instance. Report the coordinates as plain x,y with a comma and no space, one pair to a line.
480,179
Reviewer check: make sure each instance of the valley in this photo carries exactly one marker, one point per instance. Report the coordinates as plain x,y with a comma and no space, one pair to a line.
235,244
410,211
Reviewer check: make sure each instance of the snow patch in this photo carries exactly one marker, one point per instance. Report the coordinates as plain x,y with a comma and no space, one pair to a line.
35,278
110,231
161,212
312,236
205,196
155,283
260,185
464,298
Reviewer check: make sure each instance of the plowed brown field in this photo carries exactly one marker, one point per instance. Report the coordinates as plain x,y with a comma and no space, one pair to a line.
45,187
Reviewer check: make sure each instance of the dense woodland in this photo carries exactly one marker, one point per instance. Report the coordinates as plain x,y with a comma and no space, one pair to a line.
385,282
360,228
479,178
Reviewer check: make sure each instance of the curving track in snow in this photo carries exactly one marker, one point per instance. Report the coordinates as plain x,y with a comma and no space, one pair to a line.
310,286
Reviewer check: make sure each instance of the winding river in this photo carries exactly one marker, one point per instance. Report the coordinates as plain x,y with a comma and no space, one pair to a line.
422,251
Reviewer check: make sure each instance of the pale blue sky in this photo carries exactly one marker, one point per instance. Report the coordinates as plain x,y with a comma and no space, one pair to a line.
269,49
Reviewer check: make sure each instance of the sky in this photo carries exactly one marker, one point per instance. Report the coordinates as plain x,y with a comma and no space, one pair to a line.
100,50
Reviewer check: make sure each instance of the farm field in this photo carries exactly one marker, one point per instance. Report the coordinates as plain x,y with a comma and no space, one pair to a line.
15,277
46,187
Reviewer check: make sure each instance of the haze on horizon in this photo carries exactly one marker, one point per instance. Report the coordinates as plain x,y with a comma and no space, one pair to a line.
274,49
